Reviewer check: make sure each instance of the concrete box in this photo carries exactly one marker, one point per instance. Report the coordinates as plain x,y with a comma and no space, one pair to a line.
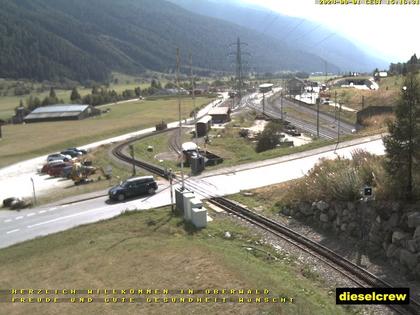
179,199
196,203
199,217
188,196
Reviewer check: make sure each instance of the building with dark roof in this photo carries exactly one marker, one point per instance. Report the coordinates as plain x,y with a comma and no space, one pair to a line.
61,112
220,115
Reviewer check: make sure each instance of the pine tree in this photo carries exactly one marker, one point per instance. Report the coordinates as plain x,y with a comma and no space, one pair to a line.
75,96
52,93
403,143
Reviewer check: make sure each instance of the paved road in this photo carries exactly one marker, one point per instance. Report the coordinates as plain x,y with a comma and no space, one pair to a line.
16,227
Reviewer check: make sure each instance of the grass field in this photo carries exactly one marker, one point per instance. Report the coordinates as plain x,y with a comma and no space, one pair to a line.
321,78
225,143
155,250
9,102
21,142
388,94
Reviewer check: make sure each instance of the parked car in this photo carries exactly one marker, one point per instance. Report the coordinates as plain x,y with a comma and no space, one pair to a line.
55,170
72,153
77,150
133,187
66,171
293,132
48,165
58,156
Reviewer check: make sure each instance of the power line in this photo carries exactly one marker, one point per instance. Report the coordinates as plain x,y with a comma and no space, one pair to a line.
293,29
307,33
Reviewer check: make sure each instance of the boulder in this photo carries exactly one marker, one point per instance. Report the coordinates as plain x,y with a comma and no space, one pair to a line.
331,213
392,251
343,227
227,235
393,220
413,219
417,233
352,226
351,206
306,209
417,270
408,259
322,205
412,246
399,236
323,217
396,207
375,238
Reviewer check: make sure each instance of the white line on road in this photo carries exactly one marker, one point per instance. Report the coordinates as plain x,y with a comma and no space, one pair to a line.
52,209
30,214
8,220
64,206
19,218
42,211
13,231
65,217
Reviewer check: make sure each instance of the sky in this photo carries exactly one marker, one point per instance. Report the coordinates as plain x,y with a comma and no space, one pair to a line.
391,31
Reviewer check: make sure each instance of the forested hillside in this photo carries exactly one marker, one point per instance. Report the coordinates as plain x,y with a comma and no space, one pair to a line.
297,33
86,40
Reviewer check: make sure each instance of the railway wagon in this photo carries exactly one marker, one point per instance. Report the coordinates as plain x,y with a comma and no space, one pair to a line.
203,126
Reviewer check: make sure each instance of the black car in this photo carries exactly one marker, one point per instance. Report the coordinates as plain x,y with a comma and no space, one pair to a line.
133,187
77,150
72,153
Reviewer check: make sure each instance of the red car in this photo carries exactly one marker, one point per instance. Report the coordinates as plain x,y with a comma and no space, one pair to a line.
55,169
48,165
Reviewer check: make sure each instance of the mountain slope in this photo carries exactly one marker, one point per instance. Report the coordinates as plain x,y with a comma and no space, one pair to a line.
296,33
52,39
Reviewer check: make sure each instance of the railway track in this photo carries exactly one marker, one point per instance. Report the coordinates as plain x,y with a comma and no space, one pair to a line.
356,274
175,142
310,128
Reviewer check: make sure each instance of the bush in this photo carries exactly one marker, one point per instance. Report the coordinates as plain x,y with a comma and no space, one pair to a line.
342,179
270,137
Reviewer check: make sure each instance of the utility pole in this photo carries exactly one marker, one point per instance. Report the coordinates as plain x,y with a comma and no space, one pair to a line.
239,80
132,158
172,191
335,105
317,118
33,190
281,105
363,101
193,97
263,104
339,124
180,118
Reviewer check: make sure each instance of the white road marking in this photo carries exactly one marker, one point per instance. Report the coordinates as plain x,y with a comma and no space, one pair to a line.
52,209
42,211
19,218
30,214
8,220
13,231
65,217
64,206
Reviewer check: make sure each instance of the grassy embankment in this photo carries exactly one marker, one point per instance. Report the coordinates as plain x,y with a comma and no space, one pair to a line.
155,250
21,142
225,143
